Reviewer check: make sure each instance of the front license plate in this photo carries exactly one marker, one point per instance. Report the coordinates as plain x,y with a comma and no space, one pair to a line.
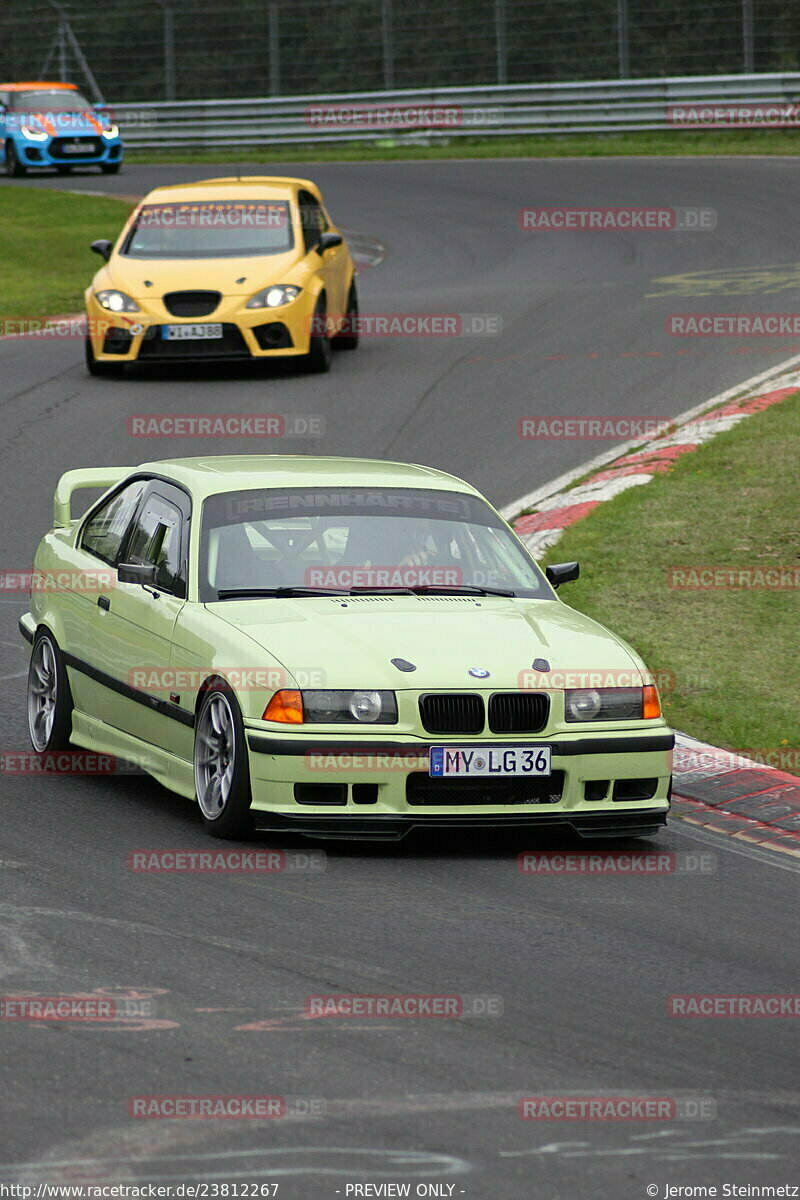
78,148
192,332
489,760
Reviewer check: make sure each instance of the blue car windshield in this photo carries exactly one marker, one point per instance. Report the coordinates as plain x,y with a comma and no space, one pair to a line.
59,100
211,229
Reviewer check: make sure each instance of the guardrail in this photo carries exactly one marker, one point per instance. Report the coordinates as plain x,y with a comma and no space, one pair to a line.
617,106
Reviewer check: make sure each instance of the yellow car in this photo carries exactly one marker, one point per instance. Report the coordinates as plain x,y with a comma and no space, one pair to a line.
223,270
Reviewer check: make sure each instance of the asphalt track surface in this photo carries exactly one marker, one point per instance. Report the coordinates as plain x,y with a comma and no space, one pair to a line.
584,964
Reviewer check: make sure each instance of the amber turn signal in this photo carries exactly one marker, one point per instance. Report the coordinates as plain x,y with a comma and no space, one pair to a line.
286,706
652,706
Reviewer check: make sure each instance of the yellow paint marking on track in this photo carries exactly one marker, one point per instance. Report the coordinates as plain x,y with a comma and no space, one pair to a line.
733,281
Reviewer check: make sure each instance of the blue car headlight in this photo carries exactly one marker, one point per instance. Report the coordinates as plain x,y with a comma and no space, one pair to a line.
111,132
34,135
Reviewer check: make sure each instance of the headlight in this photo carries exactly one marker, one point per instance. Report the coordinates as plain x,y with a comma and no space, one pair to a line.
116,301
607,704
34,135
334,708
275,296
111,132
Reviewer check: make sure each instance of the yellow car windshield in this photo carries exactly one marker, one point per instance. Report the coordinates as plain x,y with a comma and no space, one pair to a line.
211,229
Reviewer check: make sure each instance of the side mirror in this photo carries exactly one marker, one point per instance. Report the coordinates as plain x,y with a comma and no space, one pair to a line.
141,573
103,247
562,573
327,241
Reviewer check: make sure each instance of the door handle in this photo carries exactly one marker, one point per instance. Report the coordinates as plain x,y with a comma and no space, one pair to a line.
104,603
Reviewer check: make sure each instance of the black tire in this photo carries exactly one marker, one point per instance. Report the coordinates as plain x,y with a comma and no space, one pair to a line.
99,368
13,166
64,170
49,726
222,765
349,340
110,168
320,353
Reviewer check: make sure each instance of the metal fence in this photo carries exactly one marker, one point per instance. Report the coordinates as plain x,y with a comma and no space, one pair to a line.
411,115
129,50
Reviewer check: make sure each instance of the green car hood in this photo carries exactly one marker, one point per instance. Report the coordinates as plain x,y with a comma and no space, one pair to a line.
352,641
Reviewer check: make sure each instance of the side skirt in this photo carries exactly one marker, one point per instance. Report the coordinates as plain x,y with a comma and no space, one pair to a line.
174,773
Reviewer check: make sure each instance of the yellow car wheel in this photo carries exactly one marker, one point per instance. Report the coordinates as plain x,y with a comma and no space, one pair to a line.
349,339
320,350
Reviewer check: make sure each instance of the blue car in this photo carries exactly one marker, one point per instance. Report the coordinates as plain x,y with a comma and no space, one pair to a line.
53,125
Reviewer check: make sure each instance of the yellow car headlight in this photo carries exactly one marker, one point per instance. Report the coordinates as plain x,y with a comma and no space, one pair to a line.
116,301
274,296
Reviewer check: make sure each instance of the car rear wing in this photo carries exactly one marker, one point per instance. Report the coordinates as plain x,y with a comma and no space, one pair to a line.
73,481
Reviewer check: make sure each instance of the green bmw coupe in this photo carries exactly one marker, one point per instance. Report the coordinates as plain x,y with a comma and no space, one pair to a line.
334,646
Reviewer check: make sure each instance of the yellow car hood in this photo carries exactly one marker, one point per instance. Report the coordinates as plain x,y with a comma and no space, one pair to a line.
353,642
230,276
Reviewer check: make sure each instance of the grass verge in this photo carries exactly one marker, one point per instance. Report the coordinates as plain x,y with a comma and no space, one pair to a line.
731,503
45,260
404,149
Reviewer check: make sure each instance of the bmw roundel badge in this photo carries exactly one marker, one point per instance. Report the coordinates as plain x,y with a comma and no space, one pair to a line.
479,672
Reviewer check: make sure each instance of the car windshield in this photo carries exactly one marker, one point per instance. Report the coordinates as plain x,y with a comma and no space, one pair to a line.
211,229
343,539
57,100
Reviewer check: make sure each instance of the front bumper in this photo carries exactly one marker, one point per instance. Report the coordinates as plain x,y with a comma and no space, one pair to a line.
52,152
381,788
248,333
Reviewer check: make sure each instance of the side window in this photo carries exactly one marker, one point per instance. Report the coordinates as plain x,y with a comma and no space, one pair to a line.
103,534
156,540
312,219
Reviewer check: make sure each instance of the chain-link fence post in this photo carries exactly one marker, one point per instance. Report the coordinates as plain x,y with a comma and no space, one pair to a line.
387,38
169,49
747,36
274,51
623,51
500,41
